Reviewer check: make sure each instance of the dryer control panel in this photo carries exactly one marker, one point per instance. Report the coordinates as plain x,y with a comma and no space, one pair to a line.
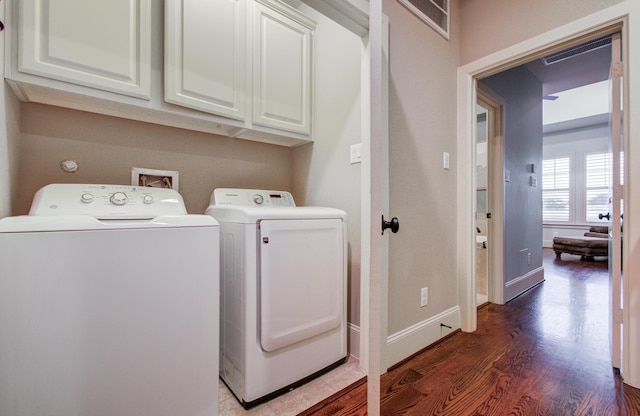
107,201
251,198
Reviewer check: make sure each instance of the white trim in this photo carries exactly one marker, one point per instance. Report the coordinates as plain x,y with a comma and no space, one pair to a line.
410,340
521,284
626,12
353,339
427,19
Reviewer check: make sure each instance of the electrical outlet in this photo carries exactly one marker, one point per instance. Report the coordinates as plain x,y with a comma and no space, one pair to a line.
424,296
529,258
154,178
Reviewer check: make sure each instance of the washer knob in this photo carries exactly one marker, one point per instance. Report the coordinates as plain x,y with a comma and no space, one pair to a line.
258,199
118,198
86,197
147,199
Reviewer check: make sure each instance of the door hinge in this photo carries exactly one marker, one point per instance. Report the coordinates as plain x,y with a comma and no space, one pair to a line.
617,316
618,69
618,192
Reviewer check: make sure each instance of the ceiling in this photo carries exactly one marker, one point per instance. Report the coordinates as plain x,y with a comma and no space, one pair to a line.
577,71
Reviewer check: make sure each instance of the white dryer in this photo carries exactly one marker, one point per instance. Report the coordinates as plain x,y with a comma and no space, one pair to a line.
109,305
283,291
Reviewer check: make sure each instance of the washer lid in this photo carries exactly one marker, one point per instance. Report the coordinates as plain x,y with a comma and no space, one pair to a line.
106,201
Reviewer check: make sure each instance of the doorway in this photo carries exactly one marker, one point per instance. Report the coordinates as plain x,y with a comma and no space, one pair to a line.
482,71
482,207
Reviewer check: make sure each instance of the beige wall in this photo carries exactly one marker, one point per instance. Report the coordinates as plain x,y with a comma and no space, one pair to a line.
9,142
488,26
422,117
322,173
106,148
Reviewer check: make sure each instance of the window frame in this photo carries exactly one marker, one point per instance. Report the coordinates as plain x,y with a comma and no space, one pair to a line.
570,190
427,19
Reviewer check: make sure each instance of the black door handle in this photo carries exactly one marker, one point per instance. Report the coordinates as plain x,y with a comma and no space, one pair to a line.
394,224
607,216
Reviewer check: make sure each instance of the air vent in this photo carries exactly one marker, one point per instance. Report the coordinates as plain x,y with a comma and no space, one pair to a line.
577,50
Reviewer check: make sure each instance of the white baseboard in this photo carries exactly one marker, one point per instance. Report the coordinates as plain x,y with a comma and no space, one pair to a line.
410,340
353,340
523,283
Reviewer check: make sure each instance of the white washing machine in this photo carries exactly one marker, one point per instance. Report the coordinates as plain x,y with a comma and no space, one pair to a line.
283,291
109,305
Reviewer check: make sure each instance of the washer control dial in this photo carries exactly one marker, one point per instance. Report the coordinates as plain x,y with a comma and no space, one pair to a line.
86,197
147,199
258,199
118,198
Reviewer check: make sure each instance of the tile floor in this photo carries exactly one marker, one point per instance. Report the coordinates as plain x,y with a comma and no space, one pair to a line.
296,401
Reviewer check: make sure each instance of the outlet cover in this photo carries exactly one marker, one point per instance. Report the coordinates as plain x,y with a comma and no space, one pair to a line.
424,296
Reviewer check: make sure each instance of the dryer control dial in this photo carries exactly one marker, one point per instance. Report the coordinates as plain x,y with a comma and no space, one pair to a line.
118,198
258,199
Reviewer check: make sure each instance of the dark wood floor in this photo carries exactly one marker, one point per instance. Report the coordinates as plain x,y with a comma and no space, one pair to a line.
544,353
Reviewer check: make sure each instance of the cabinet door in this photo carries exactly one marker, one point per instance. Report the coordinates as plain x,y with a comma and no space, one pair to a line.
96,43
282,67
205,64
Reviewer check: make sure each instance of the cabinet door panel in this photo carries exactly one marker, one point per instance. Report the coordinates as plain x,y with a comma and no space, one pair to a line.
282,71
205,55
102,44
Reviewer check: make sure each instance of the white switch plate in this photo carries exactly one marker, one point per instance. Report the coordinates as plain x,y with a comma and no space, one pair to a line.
355,153
445,160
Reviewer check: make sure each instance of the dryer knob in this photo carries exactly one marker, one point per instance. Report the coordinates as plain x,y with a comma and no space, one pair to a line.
147,199
118,198
258,199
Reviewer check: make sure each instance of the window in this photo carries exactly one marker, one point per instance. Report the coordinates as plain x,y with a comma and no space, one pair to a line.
556,190
598,183
435,13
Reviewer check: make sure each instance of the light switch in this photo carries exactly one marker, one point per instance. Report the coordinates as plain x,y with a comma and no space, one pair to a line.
445,160
355,153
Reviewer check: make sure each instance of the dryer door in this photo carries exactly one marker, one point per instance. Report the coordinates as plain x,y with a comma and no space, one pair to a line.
301,281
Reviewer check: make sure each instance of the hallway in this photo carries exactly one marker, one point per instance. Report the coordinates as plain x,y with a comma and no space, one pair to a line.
544,353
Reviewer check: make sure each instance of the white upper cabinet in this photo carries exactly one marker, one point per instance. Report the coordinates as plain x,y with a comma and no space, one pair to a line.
205,55
248,60
282,67
238,68
96,43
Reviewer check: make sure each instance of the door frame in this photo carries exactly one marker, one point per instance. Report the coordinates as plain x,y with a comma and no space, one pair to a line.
597,24
494,105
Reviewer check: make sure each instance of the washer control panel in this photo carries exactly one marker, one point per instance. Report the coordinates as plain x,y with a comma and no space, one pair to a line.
251,197
107,201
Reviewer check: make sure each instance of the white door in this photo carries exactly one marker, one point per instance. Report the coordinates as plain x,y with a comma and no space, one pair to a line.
282,69
205,56
617,195
301,281
100,44
376,197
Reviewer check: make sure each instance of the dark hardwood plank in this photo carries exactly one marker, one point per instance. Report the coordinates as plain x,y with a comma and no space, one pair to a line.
544,353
